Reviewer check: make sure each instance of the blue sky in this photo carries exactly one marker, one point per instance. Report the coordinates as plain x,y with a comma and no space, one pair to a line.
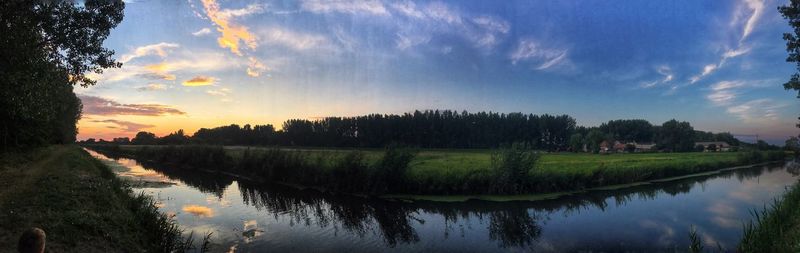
190,64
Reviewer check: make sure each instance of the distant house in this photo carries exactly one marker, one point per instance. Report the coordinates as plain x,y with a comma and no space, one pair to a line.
644,147
720,145
607,147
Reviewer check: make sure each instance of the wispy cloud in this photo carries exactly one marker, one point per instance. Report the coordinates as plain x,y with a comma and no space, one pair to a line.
293,40
370,7
758,110
221,92
753,9
199,81
201,32
124,126
726,93
152,87
667,76
529,50
159,49
255,67
93,105
232,33
482,31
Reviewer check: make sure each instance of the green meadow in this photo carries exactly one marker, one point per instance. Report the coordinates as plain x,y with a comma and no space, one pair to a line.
444,171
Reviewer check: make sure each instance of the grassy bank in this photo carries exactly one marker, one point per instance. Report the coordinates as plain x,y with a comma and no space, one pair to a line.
440,172
776,228
79,203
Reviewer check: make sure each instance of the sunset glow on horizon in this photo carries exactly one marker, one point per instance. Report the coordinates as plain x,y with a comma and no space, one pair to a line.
206,63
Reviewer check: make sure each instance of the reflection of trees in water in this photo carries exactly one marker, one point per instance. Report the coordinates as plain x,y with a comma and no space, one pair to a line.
514,227
211,183
510,224
392,220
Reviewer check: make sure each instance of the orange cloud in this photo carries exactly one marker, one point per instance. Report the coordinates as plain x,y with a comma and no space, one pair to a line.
199,81
101,106
200,211
232,33
159,71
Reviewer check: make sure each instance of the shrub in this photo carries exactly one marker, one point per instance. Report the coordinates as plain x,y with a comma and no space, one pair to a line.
390,171
511,167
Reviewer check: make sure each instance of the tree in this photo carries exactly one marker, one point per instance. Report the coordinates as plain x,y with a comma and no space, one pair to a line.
576,142
712,147
791,12
593,140
793,145
46,47
676,136
144,138
630,148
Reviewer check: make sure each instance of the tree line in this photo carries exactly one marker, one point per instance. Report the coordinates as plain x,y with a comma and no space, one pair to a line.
445,129
46,48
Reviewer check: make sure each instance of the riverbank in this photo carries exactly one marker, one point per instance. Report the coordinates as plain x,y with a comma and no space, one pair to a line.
439,172
79,203
777,227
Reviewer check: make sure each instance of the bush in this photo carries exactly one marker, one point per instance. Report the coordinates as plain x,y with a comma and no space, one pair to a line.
511,167
390,172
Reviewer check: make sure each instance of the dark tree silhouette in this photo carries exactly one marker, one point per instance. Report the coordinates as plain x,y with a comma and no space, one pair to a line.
46,47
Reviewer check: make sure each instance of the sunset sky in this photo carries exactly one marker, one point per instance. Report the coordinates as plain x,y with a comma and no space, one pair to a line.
189,64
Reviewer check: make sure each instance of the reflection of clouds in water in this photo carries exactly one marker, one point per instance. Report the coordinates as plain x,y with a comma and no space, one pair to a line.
251,231
722,208
667,233
199,211
726,222
724,214
219,201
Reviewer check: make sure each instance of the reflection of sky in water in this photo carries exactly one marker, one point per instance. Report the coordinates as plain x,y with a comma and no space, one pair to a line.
636,219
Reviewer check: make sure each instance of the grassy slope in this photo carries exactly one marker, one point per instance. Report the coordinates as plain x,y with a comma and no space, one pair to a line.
74,198
776,229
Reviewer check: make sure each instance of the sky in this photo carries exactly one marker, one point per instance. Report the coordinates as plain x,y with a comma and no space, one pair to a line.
205,63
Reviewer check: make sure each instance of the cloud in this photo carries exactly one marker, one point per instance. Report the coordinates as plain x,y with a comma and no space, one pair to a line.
421,23
199,211
231,33
531,51
721,97
370,7
255,67
93,105
295,40
152,87
201,32
408,9
222,92
758,110
757,8
193,60
199,81
159,49
753,8
664,71
125,126
725,92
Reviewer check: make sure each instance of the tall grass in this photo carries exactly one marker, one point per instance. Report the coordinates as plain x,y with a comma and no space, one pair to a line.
775,228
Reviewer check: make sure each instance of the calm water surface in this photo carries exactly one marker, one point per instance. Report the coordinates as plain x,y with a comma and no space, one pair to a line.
249,217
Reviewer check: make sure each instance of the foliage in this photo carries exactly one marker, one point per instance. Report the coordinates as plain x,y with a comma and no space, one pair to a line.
675,136
46,47
775,228
511,166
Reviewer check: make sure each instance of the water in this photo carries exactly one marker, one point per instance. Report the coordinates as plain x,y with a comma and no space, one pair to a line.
249,217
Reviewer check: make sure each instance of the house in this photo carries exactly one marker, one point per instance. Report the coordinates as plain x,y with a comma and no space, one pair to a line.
720,145
644,147
607,147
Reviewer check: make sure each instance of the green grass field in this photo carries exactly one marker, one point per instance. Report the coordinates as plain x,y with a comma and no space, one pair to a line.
448,172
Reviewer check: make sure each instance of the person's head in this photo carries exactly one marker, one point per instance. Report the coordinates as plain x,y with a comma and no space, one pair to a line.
31,241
